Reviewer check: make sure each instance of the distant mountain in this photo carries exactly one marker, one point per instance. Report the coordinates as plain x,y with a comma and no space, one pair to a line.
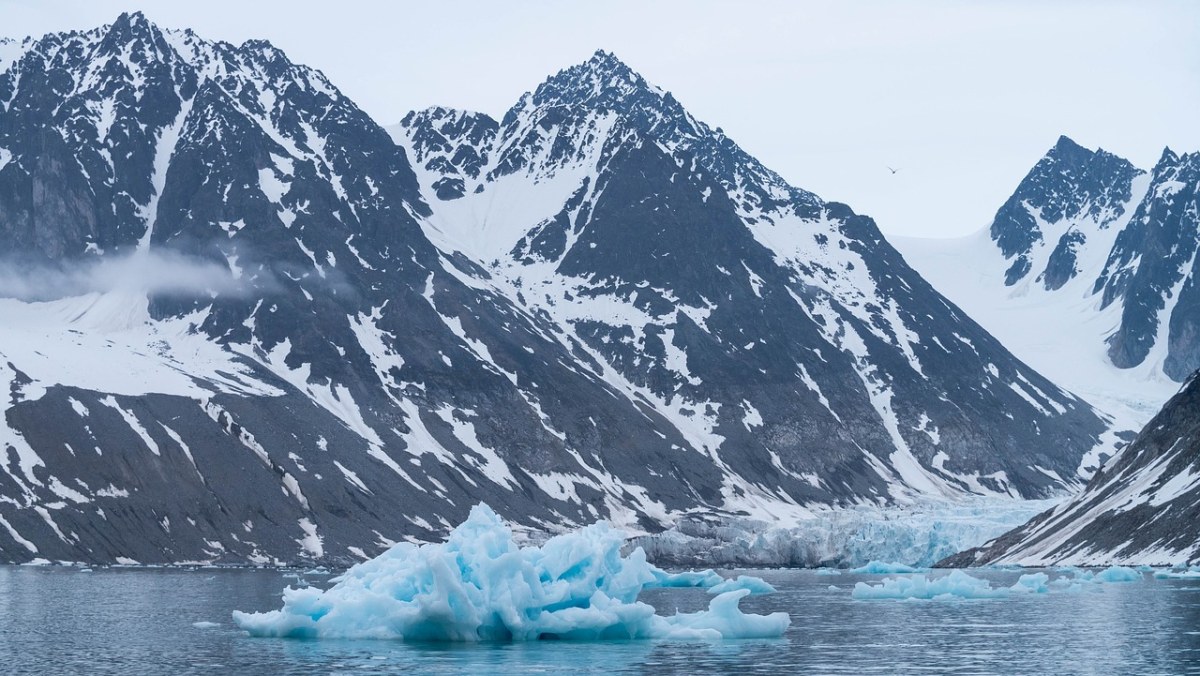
684,265
243,324
1143,507
1088,273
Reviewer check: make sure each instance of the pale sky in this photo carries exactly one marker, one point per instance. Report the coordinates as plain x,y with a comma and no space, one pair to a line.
960,97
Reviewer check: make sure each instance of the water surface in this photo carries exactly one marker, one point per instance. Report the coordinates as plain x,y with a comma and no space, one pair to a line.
139,621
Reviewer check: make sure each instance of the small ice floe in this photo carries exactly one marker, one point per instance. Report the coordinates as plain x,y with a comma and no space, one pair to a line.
754,584
960,585
692,578
884,568
1179,573
206,625
480,585
828,571
1080,577
956,585
1118,574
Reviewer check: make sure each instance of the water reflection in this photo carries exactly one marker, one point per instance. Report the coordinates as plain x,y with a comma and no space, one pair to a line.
141,621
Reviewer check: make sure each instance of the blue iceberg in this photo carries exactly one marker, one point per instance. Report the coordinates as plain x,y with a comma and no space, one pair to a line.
883,568
480,586
755,585
956,585
1119,574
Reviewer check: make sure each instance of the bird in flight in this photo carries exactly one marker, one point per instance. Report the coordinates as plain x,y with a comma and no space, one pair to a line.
891,170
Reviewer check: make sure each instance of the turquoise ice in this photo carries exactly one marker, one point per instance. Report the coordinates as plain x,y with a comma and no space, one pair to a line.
480,585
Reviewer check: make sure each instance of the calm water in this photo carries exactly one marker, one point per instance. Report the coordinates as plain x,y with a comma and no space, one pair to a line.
141,621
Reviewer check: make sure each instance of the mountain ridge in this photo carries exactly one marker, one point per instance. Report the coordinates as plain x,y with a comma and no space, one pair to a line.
364,356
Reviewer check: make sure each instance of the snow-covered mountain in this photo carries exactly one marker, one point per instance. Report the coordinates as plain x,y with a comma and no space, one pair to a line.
1088,273
240,325
1142,507
745,309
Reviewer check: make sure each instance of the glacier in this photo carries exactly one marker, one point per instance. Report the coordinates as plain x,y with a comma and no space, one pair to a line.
479,585
916,535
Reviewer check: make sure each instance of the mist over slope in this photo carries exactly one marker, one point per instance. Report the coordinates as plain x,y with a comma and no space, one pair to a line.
263,329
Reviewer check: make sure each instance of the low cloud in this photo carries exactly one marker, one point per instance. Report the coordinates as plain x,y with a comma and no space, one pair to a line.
159,273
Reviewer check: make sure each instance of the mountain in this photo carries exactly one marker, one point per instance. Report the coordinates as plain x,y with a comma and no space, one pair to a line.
682,264
1142,507
243,324
1088,273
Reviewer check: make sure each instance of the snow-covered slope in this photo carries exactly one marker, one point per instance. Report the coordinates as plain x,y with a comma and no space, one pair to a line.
335,374
241,332
1142,507
752,314
1087,274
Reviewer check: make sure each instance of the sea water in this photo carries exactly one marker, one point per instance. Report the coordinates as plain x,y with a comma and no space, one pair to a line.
154,621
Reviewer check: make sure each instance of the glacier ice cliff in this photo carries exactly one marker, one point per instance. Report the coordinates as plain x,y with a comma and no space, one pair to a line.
916,535
479,585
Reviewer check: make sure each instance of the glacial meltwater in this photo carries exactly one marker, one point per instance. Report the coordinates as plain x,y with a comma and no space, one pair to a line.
155,621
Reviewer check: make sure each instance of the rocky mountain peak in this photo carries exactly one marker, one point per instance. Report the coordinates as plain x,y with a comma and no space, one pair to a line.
1071,192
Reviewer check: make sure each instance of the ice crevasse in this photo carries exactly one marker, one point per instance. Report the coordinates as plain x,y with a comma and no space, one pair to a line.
480,585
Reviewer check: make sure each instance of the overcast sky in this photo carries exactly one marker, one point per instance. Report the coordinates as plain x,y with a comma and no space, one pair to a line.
960,97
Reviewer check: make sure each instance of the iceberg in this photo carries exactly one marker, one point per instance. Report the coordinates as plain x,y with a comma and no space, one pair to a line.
1118,574
1192,573
479,585
752,584
883,568
703,578
956,585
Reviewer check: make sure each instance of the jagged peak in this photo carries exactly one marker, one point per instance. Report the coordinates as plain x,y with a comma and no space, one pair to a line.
432,114
1168,157
268,51
133,25
1066,143
1070,153
605,61
601,81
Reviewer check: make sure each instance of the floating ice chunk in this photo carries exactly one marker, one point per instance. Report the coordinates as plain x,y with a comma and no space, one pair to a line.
206,625
753,584
828,571
956,585
1034,582
1179,574
692,578
1118,574
479,585
883,568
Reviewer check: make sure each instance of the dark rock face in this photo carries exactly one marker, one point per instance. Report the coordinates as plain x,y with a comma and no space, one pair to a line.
710,267
1143,506
1152,268
678,329
1149,266
1070,182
